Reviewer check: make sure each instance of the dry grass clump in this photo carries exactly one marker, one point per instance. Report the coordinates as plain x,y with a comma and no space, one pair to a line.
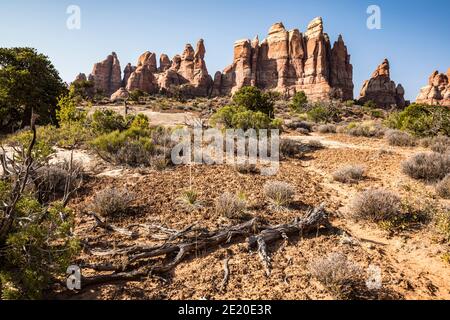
443,188
399,138
366,129
349,174
112,202
190,199
246,168
290,148
231,206
376,205
343,278
315,145
281,194
327,128
439,144
427,166
52,181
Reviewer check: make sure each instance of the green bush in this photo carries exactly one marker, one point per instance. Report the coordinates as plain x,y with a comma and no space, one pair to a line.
230,117
135,147
299,102
324,113
422,120
68,112
253,99
107,121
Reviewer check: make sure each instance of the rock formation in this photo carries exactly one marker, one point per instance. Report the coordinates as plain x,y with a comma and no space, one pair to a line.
143,78
382,90
288,62
121,94
107,75
437,92
189,71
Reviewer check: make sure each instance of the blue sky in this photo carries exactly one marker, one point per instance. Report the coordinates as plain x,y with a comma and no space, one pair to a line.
414,36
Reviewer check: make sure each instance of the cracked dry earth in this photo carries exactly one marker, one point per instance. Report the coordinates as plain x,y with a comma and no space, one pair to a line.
410,261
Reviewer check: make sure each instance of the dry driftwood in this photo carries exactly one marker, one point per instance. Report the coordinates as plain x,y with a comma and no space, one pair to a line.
259,237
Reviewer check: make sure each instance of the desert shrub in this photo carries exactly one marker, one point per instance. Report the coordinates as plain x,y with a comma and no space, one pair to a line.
253,99
232,117
20,141
68,113
376,205
427,166
107,121
341,277
440,144
308,126
400,139
327,128
231,206
349,174
281,194
190,198
290,148
442,224
299,102
324,113
136,95
112,202
136,147
246,168
366,129
314,145
422,120
443,188
370,105
53,180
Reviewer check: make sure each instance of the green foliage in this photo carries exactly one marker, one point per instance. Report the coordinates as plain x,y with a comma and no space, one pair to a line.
21,141
81,90
38,247
28,80
370,105
68,113
231,117
299,102
107,121
137,146
136,95
255,100
422,120
324,113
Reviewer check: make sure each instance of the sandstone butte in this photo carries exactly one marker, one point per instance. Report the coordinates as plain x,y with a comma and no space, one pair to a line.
437,92
382,90
286,61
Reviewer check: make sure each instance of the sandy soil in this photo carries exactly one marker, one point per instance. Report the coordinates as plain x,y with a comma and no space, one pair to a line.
410,261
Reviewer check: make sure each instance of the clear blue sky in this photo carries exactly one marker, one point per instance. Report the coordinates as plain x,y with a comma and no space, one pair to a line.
415,35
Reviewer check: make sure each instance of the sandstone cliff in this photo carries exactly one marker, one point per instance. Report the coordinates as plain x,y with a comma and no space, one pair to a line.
382,90
288,62
437,92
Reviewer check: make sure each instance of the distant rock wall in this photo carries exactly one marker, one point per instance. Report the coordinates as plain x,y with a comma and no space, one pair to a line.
286,61
437,92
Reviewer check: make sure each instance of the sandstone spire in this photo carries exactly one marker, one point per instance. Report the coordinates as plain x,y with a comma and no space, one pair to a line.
107,75
382,90
288,61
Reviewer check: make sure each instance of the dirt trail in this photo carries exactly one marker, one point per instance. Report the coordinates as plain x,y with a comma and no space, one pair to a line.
414,256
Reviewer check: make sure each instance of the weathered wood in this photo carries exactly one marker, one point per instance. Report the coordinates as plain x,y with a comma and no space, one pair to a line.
259,237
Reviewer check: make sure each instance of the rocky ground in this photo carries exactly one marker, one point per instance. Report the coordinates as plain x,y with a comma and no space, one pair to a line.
410,261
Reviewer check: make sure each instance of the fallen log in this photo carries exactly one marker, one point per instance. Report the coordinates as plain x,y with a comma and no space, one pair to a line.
258,235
